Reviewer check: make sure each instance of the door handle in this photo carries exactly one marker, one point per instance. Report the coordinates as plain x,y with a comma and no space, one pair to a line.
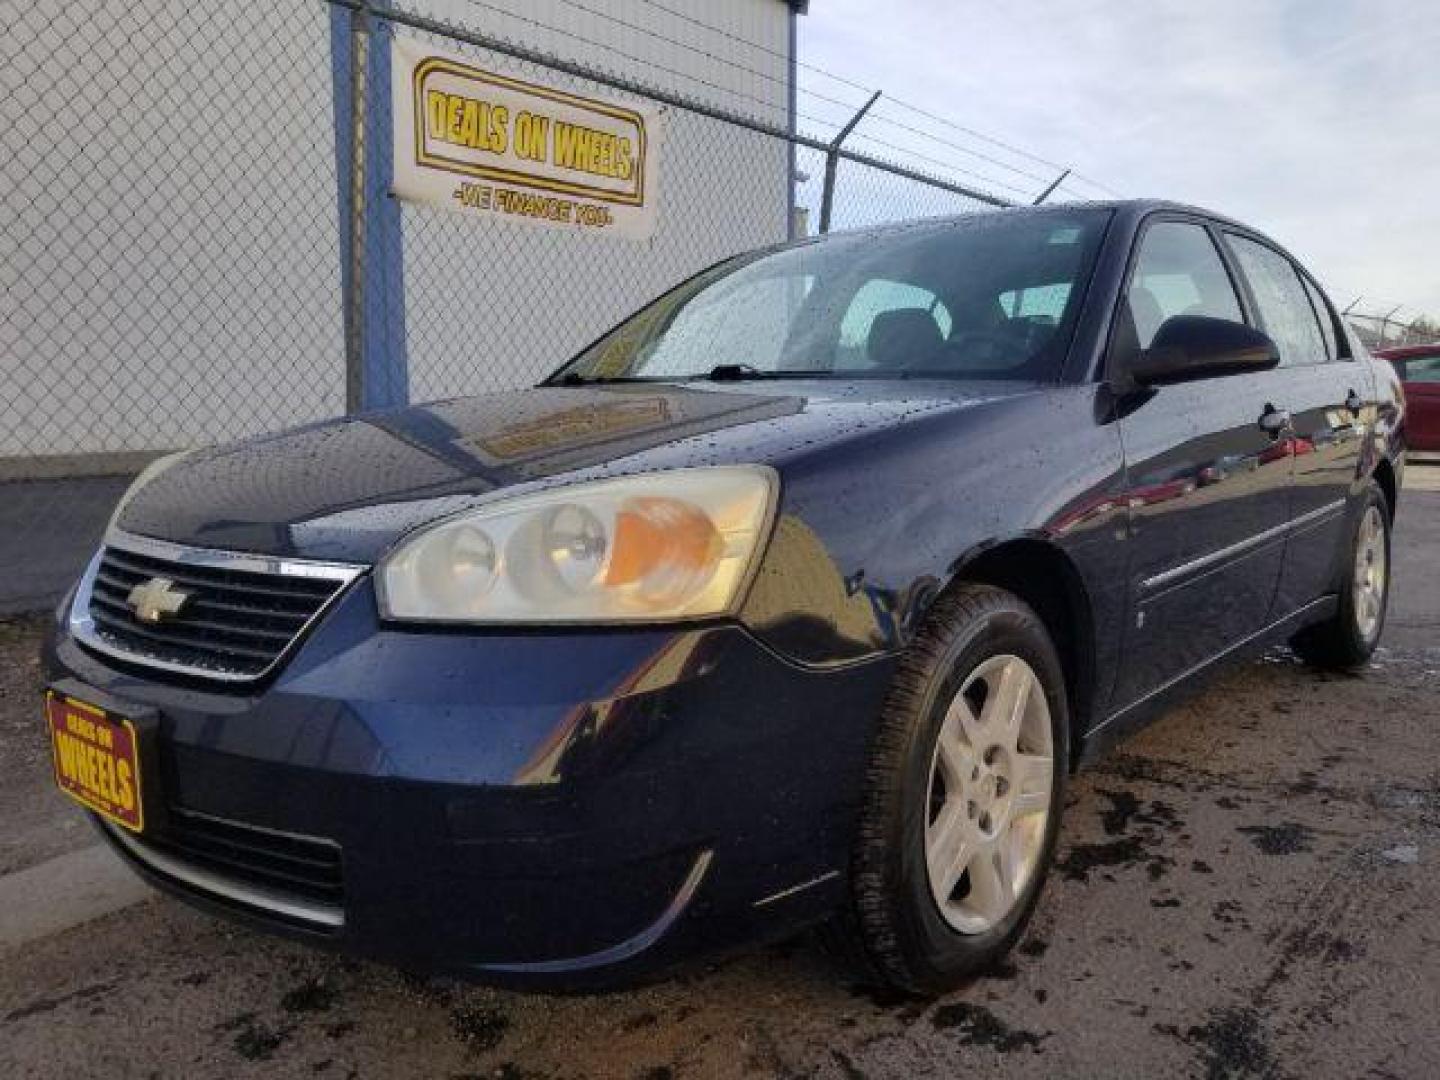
1354,404
1275,422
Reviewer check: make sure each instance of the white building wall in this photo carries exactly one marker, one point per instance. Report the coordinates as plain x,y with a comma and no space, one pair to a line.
169,255
168,258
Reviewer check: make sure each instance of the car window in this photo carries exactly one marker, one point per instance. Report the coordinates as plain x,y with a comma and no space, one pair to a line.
979,297
1178,271
1039,303
875,298
1285,311
1424,369
753,319
1326,319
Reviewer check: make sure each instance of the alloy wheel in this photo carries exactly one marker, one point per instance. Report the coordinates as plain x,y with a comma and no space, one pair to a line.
1370,570
988,798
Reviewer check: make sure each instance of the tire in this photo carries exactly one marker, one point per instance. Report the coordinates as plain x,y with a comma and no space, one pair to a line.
902,925
1346,640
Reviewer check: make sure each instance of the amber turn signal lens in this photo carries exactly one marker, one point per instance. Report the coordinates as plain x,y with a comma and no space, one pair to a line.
666,547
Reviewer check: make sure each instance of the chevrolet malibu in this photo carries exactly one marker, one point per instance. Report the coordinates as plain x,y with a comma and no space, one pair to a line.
790,601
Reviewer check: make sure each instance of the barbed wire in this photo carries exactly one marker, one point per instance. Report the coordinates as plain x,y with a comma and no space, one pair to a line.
782,109
784,82
490,39
887,100
865,136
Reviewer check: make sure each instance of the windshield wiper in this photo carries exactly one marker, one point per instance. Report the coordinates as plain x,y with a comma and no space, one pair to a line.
734,372
718,373
574,378
740,372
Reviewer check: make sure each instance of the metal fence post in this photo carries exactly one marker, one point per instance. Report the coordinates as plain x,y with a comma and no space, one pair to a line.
1051,189
354,204
832,159
371,257
1385,324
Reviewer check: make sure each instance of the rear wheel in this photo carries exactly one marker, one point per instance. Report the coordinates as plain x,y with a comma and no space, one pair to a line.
1347,639
963,795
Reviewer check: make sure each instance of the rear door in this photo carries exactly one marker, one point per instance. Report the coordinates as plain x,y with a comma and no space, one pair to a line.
1328,396
1206,483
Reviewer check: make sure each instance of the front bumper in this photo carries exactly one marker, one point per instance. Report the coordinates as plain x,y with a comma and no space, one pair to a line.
523,806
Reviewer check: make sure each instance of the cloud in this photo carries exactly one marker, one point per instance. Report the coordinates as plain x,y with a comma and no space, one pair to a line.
1312,120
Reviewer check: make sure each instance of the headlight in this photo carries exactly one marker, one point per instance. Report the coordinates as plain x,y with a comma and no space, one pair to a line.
150,472
653,547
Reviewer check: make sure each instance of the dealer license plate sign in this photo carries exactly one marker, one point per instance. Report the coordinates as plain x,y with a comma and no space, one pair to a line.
97,759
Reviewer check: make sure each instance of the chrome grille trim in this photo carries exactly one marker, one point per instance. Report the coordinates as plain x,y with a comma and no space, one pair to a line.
326,916
83,625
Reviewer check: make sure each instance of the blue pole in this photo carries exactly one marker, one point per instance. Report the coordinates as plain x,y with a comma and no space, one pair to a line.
386,363
790,163
342,43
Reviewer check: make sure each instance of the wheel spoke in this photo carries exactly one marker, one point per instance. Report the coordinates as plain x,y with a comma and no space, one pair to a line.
956,755
1033,776
1005,707
946,851
961,726
992,891
1009,852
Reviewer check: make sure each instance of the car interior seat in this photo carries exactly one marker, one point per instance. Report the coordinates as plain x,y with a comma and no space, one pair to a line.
901,339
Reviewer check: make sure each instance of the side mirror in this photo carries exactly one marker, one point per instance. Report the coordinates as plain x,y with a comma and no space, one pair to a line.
1199,347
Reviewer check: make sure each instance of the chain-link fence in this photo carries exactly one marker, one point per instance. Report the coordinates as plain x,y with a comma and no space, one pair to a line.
168,236
197,241
1387,332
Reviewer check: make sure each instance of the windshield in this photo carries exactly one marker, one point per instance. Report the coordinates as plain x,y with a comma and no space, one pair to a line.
989,297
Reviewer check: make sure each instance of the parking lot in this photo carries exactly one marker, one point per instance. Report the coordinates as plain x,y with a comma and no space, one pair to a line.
1247,888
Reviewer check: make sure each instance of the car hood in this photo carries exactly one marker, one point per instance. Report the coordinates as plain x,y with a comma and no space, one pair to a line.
346,489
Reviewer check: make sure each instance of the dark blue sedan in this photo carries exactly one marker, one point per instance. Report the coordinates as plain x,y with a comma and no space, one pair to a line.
792,600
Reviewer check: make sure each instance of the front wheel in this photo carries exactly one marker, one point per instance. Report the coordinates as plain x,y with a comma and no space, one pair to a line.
1347,639
963,794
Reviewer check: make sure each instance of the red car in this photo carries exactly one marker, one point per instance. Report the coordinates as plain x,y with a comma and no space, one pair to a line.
1419,368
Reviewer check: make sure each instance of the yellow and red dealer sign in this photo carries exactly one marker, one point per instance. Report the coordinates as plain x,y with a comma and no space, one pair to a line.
483,143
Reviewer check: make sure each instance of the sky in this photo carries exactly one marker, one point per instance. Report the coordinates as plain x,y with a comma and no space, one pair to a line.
1315,121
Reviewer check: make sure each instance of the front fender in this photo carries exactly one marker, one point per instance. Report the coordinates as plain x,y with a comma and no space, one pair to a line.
869,532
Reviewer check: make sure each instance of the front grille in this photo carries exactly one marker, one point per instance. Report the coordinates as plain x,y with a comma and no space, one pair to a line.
295,878
236,623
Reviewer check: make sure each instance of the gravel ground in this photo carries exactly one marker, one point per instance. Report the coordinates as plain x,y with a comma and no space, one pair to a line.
1247,888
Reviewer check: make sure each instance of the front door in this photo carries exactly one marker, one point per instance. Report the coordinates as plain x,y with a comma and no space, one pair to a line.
1207,476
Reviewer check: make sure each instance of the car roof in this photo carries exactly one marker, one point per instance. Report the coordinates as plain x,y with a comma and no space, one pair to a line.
1131,210
1134,208
1403,351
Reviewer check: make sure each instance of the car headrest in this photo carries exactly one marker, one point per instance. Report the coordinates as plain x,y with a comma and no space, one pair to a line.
905,338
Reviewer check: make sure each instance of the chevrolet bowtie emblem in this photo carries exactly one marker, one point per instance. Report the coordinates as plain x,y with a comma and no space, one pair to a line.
156,599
